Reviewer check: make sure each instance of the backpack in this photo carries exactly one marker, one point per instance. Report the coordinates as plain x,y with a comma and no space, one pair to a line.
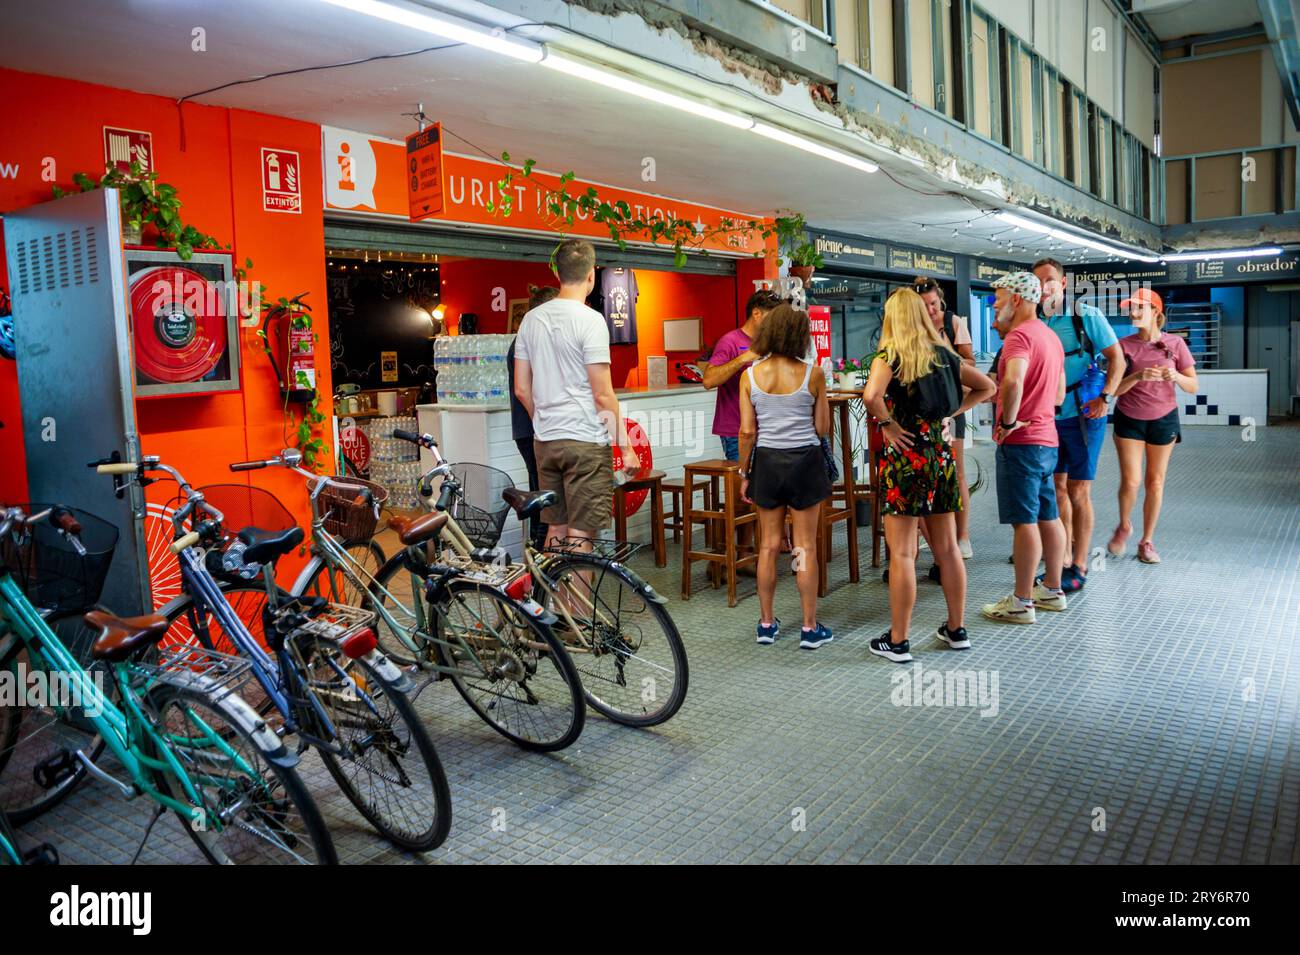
937,393
1093,380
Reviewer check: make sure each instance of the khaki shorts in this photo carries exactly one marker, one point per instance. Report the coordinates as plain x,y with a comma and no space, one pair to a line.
582,476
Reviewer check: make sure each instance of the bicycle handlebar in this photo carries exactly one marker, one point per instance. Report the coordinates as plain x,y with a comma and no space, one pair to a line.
194,500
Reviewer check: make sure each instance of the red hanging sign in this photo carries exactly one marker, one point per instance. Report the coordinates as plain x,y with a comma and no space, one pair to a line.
424,172
819,324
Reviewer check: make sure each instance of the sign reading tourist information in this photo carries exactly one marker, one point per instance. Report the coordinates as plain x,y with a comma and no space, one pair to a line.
424,172
281,182
367,175
819,324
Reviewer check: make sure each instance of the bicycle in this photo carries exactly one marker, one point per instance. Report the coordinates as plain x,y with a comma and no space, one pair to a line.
319,674
479,630
615,626
178,729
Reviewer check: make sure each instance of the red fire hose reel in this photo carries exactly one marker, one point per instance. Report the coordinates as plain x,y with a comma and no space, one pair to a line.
179,324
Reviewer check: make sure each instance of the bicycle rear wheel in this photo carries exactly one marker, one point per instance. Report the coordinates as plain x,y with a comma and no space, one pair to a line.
626,647
187,623
260,810
38,745
388,766
339,587
517,678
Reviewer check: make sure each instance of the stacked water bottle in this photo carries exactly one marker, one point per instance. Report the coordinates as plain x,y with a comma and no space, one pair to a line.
472,369
394,464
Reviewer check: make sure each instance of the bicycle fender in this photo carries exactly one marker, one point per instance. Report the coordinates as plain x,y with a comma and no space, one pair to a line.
270,745
642,585
389,671
538,612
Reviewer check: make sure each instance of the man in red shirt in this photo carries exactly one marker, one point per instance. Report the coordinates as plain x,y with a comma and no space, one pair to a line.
1031,384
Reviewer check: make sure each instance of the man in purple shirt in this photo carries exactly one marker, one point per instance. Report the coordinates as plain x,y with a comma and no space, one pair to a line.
730,357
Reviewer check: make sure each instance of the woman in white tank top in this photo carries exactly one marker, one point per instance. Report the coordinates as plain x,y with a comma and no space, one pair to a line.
784,415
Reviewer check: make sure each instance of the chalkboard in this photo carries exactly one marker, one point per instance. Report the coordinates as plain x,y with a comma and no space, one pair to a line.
378,307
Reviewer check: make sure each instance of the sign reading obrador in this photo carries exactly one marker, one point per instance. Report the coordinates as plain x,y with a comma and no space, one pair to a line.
367,175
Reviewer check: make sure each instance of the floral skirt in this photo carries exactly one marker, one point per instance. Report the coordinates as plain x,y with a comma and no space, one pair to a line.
923,480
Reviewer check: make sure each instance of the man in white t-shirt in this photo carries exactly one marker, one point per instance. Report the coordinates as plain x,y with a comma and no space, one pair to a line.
562,378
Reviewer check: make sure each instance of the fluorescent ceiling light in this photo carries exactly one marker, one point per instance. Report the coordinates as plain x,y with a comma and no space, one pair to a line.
1228,254
558,61
496,41
1074,238
817,149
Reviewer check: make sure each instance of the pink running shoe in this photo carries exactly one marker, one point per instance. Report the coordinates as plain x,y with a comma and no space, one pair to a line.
1118,540
1147,553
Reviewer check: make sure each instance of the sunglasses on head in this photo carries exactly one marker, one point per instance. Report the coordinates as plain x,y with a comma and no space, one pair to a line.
920,288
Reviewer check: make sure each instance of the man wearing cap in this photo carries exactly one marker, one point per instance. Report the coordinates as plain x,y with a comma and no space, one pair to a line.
1085,336
1031,383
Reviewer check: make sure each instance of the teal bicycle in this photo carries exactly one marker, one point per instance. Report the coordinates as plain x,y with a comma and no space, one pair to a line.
175,722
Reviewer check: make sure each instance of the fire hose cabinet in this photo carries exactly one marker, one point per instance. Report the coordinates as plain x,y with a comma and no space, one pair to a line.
184,322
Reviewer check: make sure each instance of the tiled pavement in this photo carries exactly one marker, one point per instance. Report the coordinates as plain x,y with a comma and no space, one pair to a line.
1164,703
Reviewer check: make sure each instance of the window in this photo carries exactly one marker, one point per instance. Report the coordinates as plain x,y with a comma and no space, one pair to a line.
985,113
929,54
1054,105
1079,136
876,39
1025,137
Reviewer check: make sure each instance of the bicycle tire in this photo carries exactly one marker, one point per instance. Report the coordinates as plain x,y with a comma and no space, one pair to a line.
22,797
243,726
368,554
516,656
10,854
405,592
395,831
594,668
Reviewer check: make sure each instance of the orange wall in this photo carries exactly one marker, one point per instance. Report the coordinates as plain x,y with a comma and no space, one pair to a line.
218,178
468,286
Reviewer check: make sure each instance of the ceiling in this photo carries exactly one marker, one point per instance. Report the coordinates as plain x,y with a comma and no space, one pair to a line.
1175,19
487,103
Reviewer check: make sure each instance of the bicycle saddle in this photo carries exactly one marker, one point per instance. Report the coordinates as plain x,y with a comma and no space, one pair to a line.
528,503
263,546
417,530
120,637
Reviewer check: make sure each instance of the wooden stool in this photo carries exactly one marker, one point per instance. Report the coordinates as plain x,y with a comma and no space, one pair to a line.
651,481
725,513
676,489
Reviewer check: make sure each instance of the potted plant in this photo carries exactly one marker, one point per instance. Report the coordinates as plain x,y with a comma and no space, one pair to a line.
851,374
795,244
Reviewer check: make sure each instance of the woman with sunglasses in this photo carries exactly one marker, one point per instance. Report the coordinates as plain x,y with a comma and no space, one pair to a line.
1146,416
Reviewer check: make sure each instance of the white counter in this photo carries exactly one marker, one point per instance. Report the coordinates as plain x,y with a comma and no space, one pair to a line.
678,420
1226,396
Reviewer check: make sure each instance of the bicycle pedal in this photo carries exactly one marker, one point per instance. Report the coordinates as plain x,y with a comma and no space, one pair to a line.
44,854
55,770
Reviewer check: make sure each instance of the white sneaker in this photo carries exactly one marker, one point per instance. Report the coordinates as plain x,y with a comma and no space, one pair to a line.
1045,599
1009,610
964,547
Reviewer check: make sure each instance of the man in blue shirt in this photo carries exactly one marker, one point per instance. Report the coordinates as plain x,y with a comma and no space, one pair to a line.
1080,425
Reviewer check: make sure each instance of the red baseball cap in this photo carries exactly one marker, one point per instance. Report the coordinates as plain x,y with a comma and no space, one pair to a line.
1150,296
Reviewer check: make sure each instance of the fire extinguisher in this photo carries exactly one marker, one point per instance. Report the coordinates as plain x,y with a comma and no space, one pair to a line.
295,367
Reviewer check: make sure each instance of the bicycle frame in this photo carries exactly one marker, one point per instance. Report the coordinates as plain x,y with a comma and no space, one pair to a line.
124,733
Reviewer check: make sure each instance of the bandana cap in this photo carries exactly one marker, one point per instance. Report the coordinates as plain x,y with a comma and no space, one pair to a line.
1024,284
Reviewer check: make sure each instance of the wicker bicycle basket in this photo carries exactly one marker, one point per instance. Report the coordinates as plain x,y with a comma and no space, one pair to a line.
351,513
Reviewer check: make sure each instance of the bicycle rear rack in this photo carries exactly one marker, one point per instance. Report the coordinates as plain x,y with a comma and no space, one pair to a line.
335,622
192,666
616,552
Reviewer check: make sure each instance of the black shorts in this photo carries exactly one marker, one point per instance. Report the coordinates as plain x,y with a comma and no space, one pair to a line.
959,427
1165,430
789,478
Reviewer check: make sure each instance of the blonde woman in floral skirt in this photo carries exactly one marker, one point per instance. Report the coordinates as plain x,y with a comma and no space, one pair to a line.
918,473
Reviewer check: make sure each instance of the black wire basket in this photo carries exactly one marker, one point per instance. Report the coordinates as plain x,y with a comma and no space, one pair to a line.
480,511
243,506
50,570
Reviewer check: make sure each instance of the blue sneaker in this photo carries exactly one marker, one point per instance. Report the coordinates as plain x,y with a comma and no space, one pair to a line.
767,632
812,639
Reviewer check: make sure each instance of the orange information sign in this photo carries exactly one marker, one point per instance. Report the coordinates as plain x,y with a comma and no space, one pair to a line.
368,175
424,172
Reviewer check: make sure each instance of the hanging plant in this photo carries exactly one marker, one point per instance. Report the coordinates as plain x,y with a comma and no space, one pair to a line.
623,224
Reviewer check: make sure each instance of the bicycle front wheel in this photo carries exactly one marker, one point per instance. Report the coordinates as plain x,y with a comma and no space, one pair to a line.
622,639
254,808
509,667
382,757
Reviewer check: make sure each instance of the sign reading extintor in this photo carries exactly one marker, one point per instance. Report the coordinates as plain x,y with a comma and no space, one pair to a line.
125,146
424,172
281,183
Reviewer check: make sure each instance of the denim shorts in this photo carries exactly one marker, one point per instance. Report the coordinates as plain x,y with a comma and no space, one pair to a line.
730,447
1026,490
1081,440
